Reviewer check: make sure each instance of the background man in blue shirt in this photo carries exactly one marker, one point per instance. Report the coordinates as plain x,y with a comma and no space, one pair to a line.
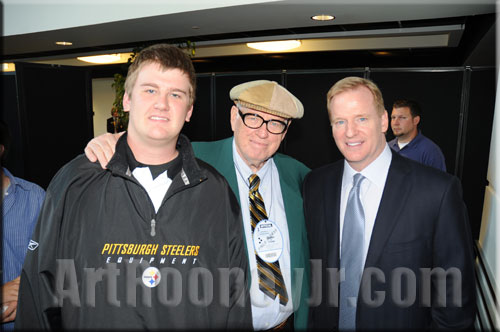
409,141
21,202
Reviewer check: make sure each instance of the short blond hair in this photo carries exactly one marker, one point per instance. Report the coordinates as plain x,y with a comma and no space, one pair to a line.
352,83
167,57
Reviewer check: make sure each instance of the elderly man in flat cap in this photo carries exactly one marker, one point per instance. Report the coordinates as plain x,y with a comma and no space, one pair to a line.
268,187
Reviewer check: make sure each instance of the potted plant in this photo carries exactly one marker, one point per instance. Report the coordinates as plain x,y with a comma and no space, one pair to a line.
120,117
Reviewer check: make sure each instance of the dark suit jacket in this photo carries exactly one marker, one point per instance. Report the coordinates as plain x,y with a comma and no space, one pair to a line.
421,224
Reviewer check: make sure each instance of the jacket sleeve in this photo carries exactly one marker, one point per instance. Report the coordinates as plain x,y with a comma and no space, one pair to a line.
301,314
453,257
306,197
37,306
240,313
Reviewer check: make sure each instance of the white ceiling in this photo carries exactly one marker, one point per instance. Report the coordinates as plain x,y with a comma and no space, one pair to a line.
27,16
94,26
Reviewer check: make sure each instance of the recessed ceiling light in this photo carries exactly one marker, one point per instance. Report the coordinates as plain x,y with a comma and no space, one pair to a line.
381,53
105,58
322,17
275,46
6,67
195,27
64,43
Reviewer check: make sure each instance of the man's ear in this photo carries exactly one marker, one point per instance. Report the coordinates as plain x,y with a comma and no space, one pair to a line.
189,114
416,120
126,102
385,121
234,117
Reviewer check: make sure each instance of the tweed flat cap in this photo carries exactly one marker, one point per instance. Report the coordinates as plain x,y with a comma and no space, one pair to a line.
268,97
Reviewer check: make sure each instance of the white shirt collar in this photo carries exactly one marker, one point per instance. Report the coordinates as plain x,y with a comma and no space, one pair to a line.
373,171
245,171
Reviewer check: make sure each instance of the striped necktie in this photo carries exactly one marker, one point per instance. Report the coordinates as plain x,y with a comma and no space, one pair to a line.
351,260
271,280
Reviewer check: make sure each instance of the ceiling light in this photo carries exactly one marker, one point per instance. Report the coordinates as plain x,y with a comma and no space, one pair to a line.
64,43
7,67
322,17
105,58
275,46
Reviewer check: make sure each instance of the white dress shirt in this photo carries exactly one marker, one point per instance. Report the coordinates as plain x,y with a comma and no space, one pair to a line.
370,194
266,312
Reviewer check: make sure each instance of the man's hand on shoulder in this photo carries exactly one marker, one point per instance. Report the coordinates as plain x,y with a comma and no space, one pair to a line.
102,148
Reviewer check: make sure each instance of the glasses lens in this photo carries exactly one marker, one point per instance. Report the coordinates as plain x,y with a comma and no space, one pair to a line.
253,121
276,127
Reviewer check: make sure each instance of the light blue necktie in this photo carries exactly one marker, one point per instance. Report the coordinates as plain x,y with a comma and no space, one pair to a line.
353,239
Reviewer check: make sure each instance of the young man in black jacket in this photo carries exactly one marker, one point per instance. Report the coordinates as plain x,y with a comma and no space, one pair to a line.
153,241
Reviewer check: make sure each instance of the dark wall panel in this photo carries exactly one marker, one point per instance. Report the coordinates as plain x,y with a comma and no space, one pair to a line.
200,128
55,106
10,116
439,94
477,137
310,139
222,102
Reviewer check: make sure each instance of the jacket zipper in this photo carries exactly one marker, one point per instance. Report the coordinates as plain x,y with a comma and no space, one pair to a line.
153,221
153,227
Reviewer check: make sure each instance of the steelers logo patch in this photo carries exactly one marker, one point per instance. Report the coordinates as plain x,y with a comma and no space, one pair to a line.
151,277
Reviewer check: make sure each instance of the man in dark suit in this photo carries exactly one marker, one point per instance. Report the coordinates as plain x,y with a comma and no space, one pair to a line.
390,236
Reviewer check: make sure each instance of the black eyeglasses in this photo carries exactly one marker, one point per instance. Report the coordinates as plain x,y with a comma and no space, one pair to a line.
255,121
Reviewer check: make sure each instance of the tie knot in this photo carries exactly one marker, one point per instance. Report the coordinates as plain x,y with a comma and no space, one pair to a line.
254,182
357,179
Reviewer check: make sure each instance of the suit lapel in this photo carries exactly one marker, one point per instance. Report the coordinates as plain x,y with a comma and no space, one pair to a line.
225,166
332,192
391,205
292,201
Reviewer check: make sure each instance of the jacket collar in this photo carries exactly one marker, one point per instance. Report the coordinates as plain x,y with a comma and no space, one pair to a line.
191,171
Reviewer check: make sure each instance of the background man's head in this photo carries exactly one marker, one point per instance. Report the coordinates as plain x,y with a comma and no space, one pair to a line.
405,117
167,57
257,101
359,120
4,142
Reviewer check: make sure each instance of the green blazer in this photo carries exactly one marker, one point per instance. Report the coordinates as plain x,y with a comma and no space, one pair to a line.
219,154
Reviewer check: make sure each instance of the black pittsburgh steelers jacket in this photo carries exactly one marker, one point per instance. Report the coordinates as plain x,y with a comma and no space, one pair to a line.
102,258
